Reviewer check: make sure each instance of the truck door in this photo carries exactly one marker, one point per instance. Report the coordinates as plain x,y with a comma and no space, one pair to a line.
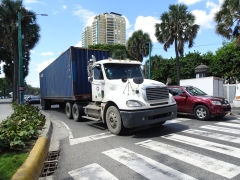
97,84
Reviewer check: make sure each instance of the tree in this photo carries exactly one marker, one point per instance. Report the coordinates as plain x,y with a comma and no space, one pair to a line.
228,20
30,36
226,63
177,27
138,45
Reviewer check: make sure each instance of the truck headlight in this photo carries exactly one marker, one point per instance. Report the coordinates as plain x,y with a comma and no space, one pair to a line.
132,103
216,102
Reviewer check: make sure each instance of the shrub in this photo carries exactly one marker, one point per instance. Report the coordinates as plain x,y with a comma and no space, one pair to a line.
23,125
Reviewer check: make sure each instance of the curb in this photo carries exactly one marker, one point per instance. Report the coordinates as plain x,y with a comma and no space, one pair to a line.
32,167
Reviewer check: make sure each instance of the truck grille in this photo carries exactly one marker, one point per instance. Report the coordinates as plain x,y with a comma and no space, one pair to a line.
157,93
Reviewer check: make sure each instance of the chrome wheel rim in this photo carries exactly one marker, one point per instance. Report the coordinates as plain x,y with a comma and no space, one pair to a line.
201,113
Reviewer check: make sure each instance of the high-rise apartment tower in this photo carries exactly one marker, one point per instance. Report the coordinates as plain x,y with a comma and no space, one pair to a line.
106,29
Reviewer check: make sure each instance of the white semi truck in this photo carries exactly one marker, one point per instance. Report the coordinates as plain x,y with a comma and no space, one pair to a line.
120,96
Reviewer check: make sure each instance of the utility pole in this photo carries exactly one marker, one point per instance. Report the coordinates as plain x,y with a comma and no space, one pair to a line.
21,85
149,63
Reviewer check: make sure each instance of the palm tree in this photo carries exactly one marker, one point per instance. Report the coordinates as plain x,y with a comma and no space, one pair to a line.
137,45
228,20
8,26
177,26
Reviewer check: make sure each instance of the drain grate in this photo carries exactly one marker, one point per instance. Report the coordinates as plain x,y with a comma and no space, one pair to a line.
50,164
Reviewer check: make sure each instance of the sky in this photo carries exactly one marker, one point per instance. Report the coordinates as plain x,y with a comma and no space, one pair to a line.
66,19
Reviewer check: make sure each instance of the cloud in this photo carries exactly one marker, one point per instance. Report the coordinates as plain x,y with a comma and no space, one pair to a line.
147,25
47,54
44,64
84,14
32,51
188,2
204,19
55,11
79,44
64,7
31,1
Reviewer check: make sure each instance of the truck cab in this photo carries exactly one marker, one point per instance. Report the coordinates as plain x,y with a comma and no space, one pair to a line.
122,98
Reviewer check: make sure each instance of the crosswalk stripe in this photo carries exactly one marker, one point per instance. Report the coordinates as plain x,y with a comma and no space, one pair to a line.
220,148
177,120
92,171
235,121
222,129
222,137
90,138
210,164
228,124
145,166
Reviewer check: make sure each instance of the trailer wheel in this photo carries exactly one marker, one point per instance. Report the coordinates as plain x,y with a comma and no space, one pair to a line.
113,119
77,112
201,112
68,110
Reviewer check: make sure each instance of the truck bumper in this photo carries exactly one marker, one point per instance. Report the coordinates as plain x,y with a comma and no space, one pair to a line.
132,119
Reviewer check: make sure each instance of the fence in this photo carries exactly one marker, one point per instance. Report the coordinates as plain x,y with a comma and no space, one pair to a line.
229,91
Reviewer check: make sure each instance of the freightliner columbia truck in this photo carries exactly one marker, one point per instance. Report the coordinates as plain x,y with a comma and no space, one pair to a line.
88,84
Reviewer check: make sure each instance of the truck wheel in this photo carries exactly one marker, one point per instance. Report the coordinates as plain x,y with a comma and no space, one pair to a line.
68,110
113,119
201,112
77,112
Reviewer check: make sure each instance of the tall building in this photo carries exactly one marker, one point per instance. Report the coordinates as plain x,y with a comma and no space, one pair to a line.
87,36
106,29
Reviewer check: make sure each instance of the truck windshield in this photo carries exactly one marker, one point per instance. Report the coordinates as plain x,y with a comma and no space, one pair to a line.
195,91
117,71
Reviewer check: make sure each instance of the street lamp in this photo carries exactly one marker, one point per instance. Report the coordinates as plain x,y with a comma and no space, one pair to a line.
20,68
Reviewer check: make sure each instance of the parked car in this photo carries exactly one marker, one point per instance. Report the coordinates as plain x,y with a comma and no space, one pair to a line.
194,101
32,100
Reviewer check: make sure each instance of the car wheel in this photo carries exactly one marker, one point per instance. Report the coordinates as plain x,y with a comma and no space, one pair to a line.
68,110
201,112
114,121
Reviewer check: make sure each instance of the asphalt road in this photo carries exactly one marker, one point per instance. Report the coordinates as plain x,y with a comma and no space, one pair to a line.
183,148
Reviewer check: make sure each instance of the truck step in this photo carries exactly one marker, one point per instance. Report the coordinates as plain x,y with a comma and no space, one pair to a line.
91,118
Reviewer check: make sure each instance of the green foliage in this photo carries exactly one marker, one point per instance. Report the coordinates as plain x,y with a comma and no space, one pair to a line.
138,45
177,27
227,19
24,124
226,62
9,164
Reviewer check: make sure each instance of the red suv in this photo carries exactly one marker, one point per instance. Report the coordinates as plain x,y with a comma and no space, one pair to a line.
194,101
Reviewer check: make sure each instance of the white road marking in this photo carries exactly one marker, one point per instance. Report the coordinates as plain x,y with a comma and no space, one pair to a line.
235,121
205,162
70,133
92,172
222,137
220,148
145,166
228,124
90,138
222,129
176,120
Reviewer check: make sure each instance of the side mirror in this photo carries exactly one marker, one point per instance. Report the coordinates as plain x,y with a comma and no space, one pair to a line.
138,80
124,79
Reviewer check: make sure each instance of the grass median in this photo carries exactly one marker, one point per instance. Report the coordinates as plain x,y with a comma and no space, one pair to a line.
18,134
